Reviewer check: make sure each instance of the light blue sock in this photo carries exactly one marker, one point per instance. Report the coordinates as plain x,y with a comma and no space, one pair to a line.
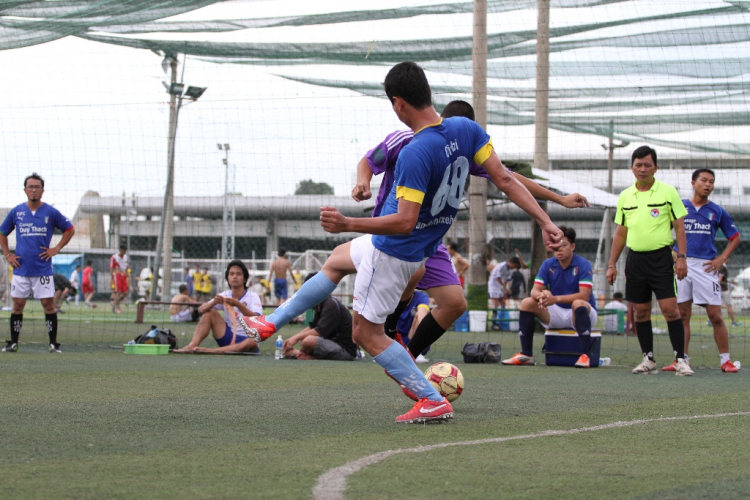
400,366
310,294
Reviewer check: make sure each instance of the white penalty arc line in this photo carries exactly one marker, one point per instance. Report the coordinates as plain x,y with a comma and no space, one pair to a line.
332,484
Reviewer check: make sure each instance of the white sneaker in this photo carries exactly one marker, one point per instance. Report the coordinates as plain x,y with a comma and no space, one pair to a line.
421,359
682,368
646,367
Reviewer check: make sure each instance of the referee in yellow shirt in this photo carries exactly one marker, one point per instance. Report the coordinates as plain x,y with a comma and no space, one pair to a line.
646,214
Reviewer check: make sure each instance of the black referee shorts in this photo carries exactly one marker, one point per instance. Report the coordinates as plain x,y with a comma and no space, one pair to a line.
647,272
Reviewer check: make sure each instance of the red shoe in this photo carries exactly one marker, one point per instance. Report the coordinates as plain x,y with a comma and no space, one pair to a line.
426,410
583,361
670,368
256,327
729,367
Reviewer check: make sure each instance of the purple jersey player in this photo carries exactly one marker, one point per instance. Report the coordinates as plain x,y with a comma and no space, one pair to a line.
440,278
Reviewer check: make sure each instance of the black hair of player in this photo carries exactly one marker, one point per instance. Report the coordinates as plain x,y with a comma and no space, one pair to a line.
408,81
88,263
453,247
643,152
242,266
183,288
569,233
282,252
458,108
515,260
699,171
310,276
617,295
124,247
35,176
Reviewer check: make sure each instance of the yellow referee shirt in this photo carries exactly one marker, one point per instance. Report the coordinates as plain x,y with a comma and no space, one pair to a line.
648,215
198,282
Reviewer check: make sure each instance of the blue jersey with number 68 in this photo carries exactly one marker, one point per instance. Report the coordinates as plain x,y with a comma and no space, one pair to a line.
432,171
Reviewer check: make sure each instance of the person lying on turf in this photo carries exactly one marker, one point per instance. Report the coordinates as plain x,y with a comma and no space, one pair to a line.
225,328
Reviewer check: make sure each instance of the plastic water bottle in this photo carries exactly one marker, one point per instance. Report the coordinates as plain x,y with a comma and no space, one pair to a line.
279,348
153,332
605,361
361,354
132,342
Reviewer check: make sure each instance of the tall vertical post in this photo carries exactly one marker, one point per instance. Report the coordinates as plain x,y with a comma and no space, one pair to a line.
608,215
477,285
541,121
225,209
166,224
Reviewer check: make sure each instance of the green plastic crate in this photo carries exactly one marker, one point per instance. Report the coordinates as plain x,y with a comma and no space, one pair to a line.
153,349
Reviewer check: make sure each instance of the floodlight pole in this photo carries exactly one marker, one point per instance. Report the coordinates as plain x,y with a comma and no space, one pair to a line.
541,122
477,285
225,211
166,224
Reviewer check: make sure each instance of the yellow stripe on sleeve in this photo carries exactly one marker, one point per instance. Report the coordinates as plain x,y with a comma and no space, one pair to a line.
409,194
423,306
481,156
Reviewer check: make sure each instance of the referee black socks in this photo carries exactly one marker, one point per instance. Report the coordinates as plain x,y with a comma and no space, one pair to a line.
16,320
51,321
677,337
645,333
426,334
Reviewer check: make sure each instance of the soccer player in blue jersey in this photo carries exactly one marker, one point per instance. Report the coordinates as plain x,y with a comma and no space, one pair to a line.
561,298
34,223
429,180
701,285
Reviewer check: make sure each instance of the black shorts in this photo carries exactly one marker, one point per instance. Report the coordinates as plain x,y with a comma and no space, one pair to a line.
647,272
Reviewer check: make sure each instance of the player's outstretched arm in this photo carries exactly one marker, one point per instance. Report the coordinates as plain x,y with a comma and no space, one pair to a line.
518,194
48,253
361,190
573,200
402,222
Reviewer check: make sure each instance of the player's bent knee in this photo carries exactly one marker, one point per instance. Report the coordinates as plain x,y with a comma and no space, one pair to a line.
528,304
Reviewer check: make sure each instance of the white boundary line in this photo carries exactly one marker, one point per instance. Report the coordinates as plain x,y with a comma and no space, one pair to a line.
332,484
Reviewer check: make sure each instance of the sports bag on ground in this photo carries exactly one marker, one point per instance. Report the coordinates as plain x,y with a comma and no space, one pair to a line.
483,352
158,336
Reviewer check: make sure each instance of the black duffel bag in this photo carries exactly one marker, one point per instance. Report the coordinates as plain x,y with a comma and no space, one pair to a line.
483,352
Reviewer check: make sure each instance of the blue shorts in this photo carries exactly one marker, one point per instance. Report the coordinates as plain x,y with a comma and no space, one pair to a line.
279,288
227,338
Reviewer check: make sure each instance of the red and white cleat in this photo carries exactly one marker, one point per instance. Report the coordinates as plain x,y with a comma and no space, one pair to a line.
426,410
729,367
670,368
256,327
583,361
520,359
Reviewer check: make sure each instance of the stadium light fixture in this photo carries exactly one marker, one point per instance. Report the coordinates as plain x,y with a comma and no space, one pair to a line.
176,89
194,93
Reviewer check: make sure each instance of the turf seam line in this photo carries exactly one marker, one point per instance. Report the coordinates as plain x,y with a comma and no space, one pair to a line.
332,484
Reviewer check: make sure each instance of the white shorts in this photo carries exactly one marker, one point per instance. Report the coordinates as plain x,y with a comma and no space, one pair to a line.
699,286
183,316
559,317
21,287
381,279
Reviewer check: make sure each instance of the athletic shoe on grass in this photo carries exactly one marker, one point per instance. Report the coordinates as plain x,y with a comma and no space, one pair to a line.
736,323
583,361
682,368
10,346
426,410
520,359
729,367
647,366
257,327
421,359
670,368
55,348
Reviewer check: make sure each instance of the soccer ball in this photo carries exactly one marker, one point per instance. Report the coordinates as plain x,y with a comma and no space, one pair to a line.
447,379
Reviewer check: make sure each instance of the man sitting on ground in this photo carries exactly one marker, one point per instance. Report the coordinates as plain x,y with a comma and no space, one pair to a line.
329,335
226,330
561,298
180,310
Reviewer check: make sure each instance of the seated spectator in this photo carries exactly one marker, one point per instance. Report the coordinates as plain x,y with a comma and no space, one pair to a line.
227,332
329,335
610,321
413,314
179,310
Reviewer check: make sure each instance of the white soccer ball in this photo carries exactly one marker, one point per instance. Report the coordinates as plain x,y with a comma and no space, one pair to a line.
447,379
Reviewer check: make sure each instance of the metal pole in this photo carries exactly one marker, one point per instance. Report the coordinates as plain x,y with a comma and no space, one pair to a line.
608,218
477,285
225,210
541,121
168,206
234,209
